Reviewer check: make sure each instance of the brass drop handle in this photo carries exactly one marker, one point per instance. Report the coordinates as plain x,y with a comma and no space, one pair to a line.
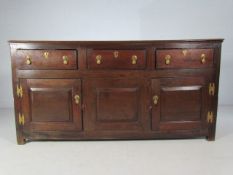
28,60
65,59
46,55
134,59
155,99
203,58
77,99
98,59
168,59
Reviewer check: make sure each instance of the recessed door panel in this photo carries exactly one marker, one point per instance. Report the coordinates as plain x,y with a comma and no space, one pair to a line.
117,104
51,104
180,105
114,104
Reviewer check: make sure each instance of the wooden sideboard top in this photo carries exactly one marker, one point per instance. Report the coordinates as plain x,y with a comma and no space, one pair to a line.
119,41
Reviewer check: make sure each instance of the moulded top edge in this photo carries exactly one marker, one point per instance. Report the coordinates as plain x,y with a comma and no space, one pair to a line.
117,41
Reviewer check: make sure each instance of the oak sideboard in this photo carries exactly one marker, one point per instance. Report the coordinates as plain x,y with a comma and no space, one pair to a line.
99,90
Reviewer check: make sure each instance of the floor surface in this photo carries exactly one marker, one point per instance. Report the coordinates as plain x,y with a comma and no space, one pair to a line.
161,157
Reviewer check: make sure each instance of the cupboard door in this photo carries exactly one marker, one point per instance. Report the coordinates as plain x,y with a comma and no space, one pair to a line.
52,104
178,103
114,104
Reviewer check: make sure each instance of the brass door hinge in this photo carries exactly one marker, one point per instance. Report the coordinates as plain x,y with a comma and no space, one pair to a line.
211,89
21,119
210,117
19,91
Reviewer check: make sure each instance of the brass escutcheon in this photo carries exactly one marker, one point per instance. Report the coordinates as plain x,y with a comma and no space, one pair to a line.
115,53
46,55
134,59
155,99
184,52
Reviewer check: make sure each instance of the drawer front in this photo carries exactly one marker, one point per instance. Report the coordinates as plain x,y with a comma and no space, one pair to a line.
47,59
184,58
116,59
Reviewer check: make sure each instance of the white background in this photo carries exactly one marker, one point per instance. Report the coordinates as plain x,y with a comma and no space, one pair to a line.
116,20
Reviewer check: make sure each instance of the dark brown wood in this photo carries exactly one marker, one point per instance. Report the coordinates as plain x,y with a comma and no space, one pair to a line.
181,105
116,96
122,60
184,58
53,61
49,104
114,104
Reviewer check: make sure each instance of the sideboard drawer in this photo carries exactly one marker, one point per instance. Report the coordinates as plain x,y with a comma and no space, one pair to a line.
116,59
47,59
184,58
